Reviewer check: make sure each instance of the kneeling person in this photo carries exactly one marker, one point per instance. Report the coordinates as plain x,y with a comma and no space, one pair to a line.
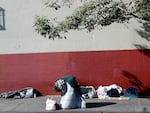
70,93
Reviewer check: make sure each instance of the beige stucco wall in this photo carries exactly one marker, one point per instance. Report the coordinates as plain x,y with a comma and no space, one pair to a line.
20,37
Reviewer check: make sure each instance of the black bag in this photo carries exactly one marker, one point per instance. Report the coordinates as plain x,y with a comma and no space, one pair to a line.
113,93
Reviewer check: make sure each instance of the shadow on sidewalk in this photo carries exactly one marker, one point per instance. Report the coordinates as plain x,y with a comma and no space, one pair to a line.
98,104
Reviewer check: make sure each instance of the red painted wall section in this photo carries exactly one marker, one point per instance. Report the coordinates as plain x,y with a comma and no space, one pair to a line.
125,68
35,70
40,70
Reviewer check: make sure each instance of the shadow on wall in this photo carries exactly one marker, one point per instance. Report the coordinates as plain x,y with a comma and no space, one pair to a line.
145,33
134,81
143,49
2,19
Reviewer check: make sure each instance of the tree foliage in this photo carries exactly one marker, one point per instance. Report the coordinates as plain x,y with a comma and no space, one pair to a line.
143,9
91,14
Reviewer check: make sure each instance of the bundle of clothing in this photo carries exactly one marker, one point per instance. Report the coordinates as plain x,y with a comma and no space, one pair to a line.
27,92
88,92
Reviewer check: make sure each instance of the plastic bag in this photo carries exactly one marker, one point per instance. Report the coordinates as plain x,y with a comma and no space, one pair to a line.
50,104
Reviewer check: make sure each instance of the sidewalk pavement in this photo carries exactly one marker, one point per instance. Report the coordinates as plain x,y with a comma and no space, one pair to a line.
95,105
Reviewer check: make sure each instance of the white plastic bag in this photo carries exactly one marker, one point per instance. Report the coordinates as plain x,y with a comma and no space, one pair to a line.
102,91
50,104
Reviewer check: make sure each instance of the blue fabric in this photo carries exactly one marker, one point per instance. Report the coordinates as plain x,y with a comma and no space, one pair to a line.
131,92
